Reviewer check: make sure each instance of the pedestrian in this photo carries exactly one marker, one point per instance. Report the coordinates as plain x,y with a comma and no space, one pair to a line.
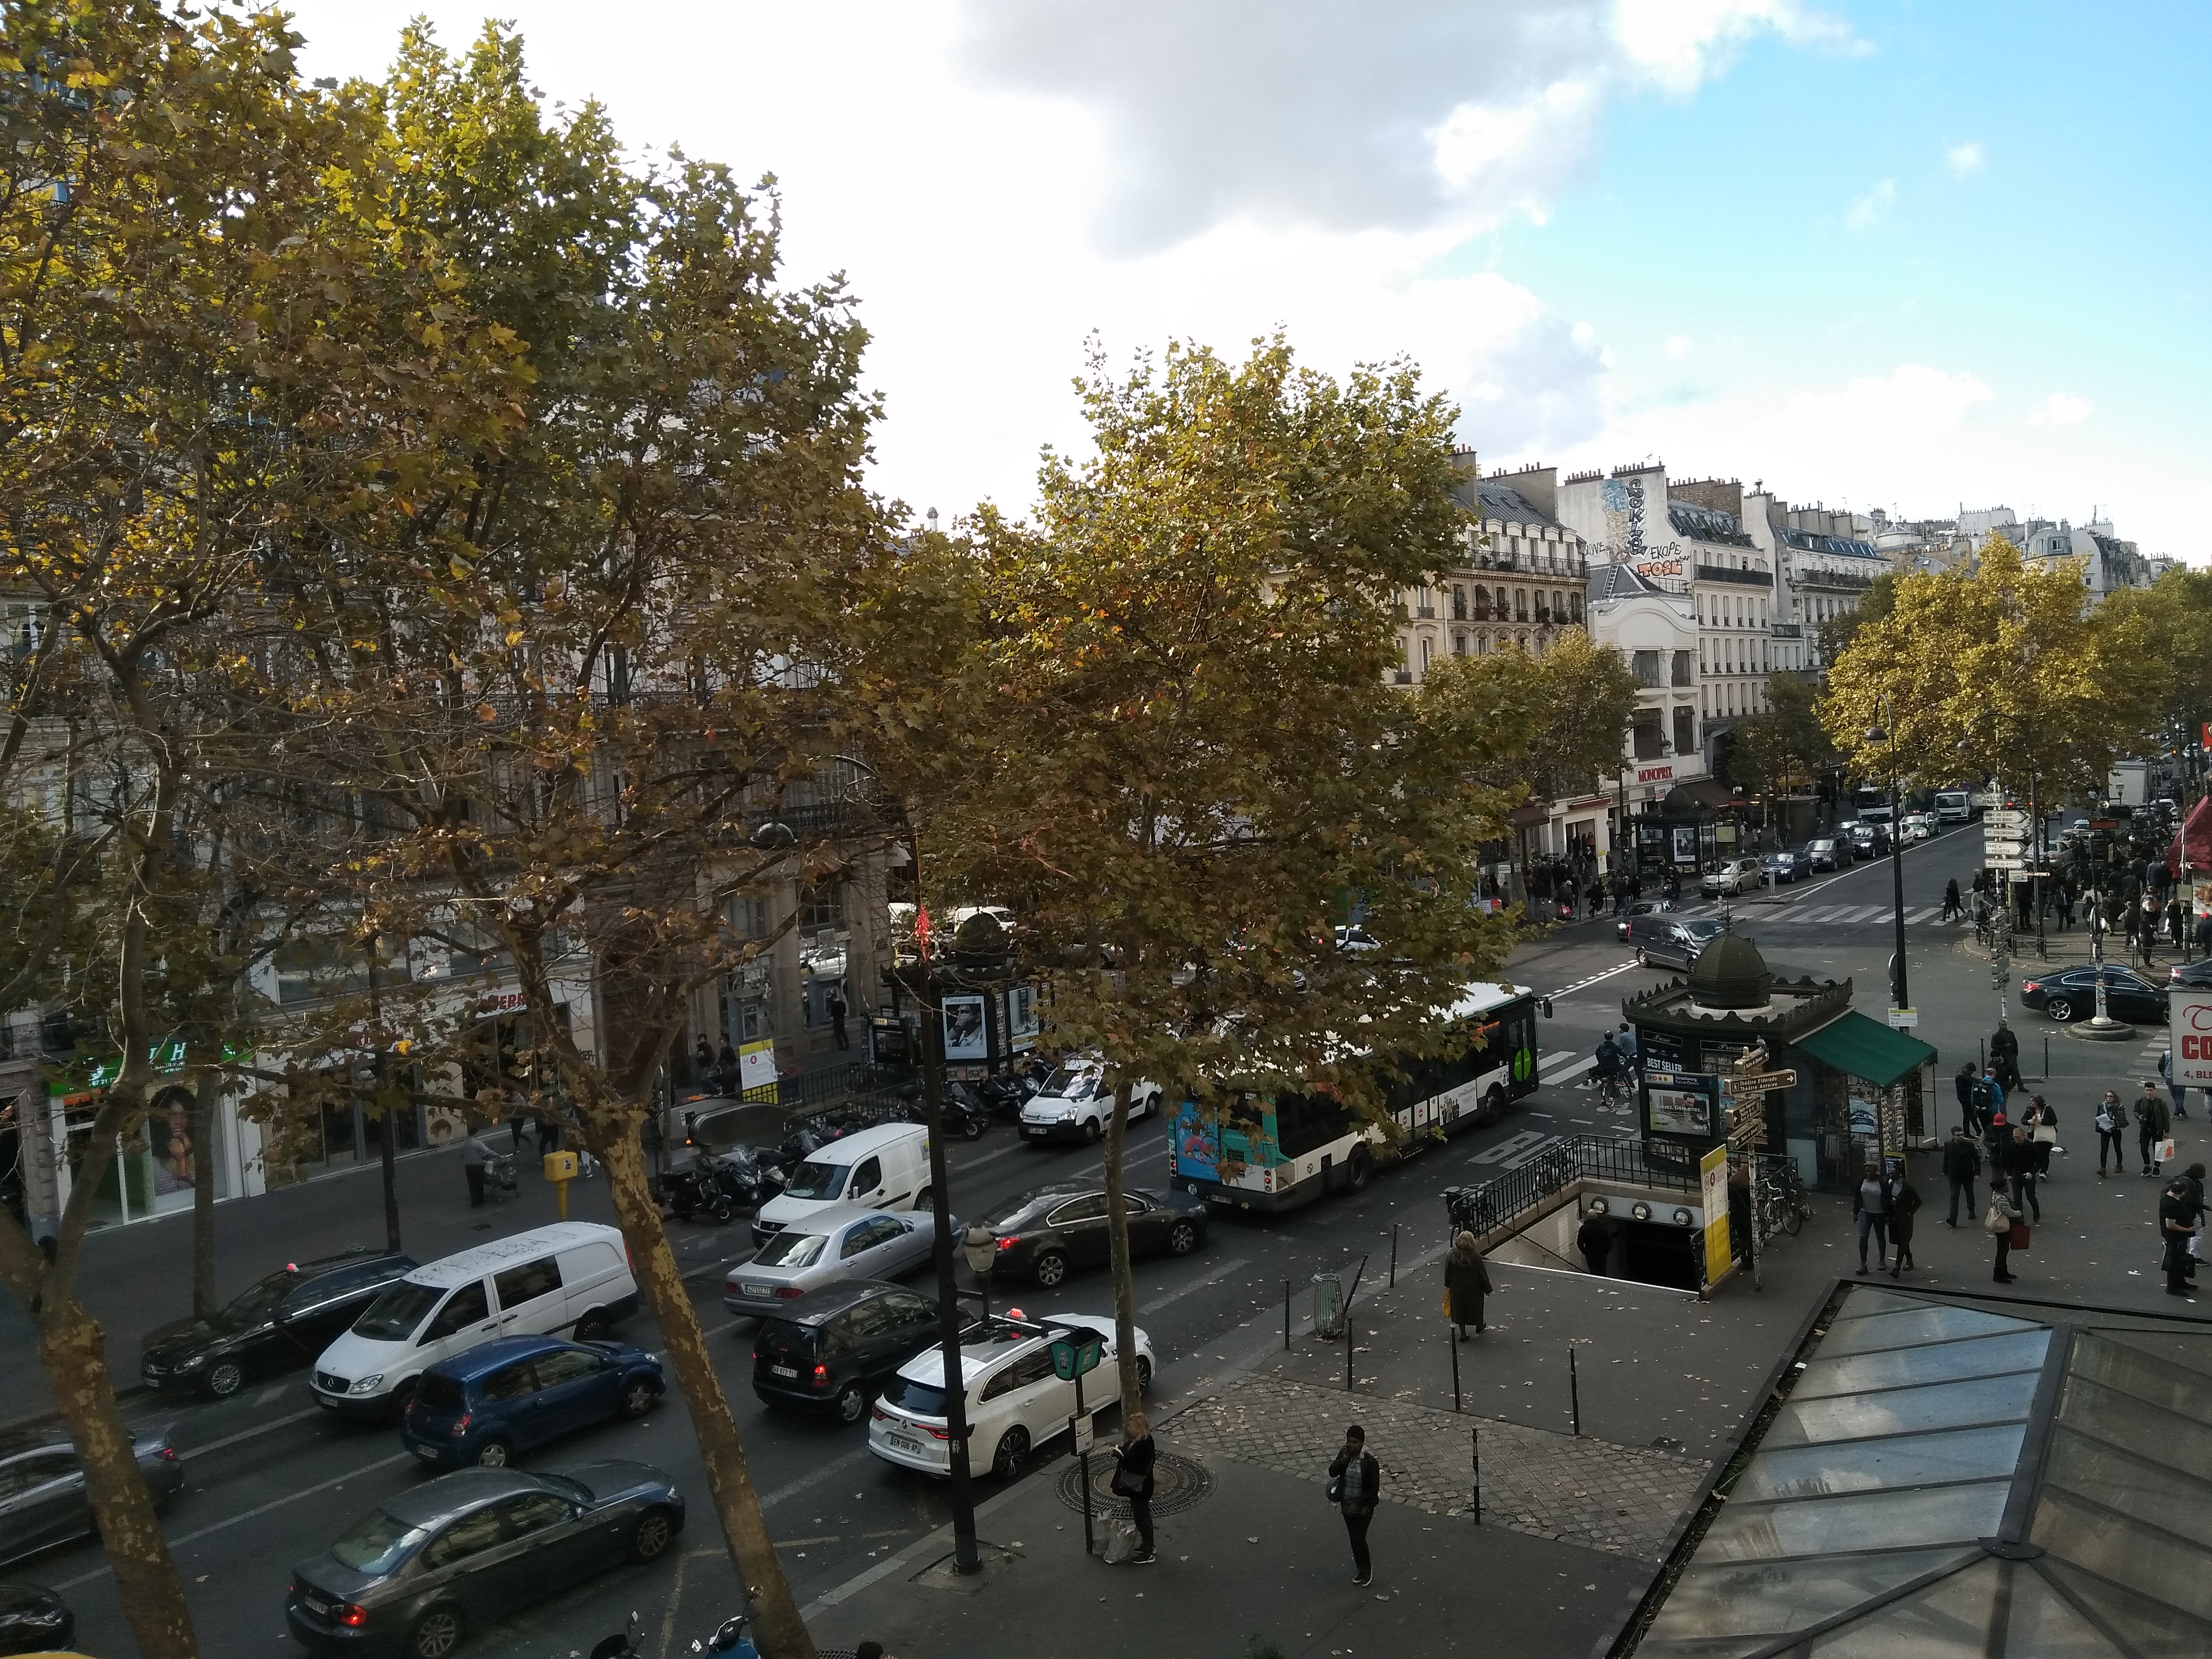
2004,1058
1132,1479
1354,1479
2178,1091
1904,1206
836,1006
516,1117
703,1061
1870,1208
2111,1122
728,1061
1467,1281
549,1133
2152,1125
2176,1226
1962,1165
1953,910
2067,897
2042,1134
1999,1138
1964,1084
2146,929
2194,1176
2021,1166
1998,1221
1981,1102
476,1159
1595,1240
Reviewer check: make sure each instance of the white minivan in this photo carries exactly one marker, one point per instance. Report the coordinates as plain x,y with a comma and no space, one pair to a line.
573,1275
885,1168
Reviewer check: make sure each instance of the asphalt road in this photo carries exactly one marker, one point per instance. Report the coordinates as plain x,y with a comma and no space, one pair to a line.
271,1478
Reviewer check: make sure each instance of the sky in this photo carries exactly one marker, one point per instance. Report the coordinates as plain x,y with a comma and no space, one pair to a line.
1909,254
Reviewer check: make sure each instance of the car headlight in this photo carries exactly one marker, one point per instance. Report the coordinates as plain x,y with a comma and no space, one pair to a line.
191,1362
368,1384
1067,1117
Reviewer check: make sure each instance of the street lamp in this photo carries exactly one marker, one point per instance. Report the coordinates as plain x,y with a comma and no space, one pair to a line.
1878,734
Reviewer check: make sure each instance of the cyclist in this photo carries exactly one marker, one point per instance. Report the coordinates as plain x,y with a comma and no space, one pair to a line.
1611,1067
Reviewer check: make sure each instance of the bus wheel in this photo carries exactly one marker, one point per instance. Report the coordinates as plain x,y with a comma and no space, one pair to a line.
1358,1169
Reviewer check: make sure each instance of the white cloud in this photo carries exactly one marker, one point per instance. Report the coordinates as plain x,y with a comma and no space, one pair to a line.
2060,409
1679,347
1871,208
1681,43
1964,158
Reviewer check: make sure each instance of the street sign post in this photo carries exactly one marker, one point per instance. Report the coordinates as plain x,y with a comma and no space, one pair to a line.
1758,1083
2001,820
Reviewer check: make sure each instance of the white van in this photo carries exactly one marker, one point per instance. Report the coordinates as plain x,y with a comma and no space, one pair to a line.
572,1275
885,1168
1953,807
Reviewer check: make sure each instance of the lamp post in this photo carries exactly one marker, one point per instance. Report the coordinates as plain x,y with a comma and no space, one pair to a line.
1880,735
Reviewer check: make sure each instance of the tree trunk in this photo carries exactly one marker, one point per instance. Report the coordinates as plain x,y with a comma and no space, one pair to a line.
781,1632
203,1121
1117,1234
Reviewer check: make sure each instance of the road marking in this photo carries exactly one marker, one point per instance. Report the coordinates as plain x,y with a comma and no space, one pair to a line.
248,1434
1532,1152
1526,1140
1212,1279
268,1395
858,1454
1575,1070
1585,983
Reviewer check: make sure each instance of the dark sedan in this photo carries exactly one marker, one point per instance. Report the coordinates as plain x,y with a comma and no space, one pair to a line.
282,1323
2191,975
416,1575
834,1348
33,1619
1049,1231
42,1497
1786,865
514,1393
2072,994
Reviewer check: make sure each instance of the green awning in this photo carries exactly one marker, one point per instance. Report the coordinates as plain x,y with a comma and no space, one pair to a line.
1857,1045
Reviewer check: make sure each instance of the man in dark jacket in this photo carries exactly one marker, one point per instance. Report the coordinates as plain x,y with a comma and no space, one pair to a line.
1361,1478
1595,1241
2176,1225
1467,1281
2152,1125
1962,1169
1964,1083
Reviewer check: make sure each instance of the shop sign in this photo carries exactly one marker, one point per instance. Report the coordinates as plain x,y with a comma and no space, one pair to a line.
2188,1021
1654,773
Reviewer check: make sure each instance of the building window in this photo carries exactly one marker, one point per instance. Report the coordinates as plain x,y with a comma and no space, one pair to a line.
1686,731
1425,656
1646,665
1682,669
1459,601
1575,604
1650,743
1520,604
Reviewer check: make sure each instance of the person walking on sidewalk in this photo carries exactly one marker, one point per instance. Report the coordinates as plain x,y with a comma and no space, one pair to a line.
2152,1126
1132,1479
2111,1122
2020,1165
836,1010
1355,1478
1962,1166
1870,1209
2042,1124
1963,1084
1953,910
1467,1281
2193,1178
476,1159
2176,1225
1997,1221
1904,1206
2177,1091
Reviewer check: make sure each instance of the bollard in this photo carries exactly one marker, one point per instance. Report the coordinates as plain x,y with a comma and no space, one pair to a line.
1394,1232
1475,1445
1453,1340
1574,1393
1286,1316
2046,1057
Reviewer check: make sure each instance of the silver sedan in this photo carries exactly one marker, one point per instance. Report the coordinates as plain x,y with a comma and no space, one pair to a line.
843,1242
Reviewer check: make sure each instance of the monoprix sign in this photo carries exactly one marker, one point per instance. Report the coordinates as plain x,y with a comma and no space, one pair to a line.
2190,1021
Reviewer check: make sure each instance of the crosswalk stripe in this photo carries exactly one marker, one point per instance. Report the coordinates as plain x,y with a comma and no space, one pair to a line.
1914,917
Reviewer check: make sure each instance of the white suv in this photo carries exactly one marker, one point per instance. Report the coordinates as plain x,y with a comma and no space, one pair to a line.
1015,1403
1074,1103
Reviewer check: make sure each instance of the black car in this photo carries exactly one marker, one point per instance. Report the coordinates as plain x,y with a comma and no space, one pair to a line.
2072,994
33,1619
42,1497
433,1562
1047,1231
834,1348
282,1323
2195,975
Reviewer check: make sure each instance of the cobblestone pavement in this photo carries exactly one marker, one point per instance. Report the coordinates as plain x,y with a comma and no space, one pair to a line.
1581,1490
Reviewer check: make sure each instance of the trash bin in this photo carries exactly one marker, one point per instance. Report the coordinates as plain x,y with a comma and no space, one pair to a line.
1328,1306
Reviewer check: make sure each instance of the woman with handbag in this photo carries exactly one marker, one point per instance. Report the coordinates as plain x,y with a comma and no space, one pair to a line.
1132,1479
1467,1281
2000,1221
2043,1131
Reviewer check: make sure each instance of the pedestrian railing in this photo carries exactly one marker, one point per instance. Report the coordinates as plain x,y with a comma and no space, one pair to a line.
1482,1210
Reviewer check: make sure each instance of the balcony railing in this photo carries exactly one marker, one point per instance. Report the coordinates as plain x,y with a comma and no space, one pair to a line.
1721,572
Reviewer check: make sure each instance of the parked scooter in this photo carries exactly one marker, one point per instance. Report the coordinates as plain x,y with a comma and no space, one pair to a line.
718,1187
964,1114
730,1640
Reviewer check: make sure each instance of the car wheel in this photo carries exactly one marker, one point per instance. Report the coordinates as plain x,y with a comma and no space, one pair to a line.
1051,1268
2060,1009
653,1533
592,1327
925,1200
1091,1132
404,1397
852,1403
721,1210
1359,1169
1013,1446
493,1454
436,1634
1641,961
1144,1374
224,1378
1183,1238
637,1399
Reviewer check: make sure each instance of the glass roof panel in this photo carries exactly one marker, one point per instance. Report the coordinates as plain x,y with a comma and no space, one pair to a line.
1862,1521
1979,1402
2042,1624
1711,1647
2185,1444
1913,1327
2155,1378
1866,1299
1768,1599
2154,1565
1949,1619
1907,1367
2192,1354
2154,1632
2128,1481
1913,1460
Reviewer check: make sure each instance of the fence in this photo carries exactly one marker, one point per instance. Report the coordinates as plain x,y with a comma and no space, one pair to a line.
1494,1204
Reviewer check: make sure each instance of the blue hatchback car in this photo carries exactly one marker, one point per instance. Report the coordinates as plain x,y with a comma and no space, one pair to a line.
517,1392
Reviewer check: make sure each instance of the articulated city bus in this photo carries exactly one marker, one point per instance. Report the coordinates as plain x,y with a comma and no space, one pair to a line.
1273,1150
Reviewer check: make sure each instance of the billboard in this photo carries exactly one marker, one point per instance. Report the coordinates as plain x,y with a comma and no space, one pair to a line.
2189,1028
1713,1194
1680,1104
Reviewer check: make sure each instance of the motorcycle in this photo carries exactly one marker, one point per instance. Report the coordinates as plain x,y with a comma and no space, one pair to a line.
719,1187
731,1639
965,1115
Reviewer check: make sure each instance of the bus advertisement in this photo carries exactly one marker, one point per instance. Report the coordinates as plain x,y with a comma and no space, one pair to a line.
1276,1150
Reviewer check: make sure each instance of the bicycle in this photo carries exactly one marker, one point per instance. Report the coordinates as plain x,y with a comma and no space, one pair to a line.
1782,1206
1612,1092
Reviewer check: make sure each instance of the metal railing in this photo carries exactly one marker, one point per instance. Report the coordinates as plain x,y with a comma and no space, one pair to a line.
1483,1209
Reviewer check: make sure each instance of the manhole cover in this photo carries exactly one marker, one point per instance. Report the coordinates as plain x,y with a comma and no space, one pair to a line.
1178,1483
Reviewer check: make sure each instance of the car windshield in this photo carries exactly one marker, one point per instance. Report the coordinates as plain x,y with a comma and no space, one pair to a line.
568,1487
790,1250
393,1317
1705,930
923,1398
813,1180
1070,1083
256,1305
376,1543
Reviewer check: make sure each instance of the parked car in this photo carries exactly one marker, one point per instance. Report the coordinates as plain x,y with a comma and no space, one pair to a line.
1014,1401
1917,826
280,1324
2196,973
1826,853
1665,942
2072,994
435,1561
885,1168
1074,1103
834,1348
1049,1231
42,1499
516,1393
1734,876
34,1620
1784,865
1868,841
572,1276
838,1243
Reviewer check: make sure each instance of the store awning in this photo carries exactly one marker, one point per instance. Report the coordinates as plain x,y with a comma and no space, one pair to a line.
1693,794
1857,1045
2195,839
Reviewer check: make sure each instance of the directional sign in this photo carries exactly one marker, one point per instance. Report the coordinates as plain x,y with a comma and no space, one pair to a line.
2003,818
1759,1083
2002,844
1749,1134
2012,862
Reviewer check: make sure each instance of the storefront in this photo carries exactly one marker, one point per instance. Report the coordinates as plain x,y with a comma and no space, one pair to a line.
155,1166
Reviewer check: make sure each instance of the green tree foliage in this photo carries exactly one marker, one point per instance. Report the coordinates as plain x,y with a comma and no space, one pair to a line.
1836,632
1785,747
2175,617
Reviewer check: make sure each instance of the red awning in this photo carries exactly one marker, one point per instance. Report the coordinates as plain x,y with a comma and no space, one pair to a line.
2196,830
